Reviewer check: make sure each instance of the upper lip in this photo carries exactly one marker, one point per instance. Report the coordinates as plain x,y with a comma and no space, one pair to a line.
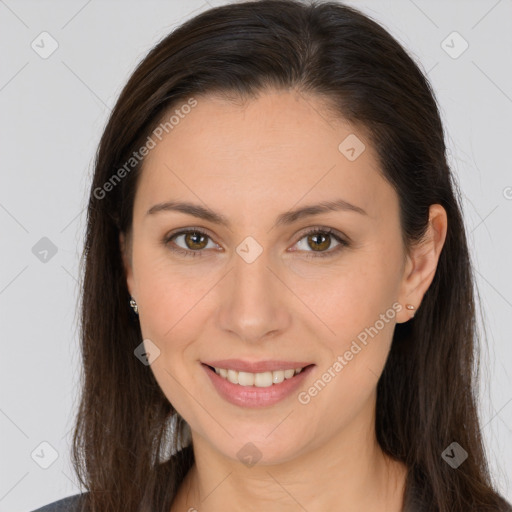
256,366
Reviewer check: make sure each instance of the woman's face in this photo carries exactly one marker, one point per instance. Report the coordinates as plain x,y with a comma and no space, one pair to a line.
256,288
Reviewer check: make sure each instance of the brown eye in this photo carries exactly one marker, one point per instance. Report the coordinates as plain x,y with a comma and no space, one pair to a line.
319,241
189,242
195,240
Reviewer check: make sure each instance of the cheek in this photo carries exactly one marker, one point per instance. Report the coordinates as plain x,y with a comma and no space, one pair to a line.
171,319
349,296
171,308
170,293
177,304
357,303
346,378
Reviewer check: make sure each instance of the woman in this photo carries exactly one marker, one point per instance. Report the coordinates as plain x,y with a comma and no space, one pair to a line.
276,264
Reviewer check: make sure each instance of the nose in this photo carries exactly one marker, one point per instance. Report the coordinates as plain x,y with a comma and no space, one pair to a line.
253,300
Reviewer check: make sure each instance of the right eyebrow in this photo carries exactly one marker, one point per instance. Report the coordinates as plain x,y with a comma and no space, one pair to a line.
195,210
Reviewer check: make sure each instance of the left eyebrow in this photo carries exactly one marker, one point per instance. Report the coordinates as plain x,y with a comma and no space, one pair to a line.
286,218
316,209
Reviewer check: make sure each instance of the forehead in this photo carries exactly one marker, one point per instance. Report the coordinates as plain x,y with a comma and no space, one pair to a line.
279,147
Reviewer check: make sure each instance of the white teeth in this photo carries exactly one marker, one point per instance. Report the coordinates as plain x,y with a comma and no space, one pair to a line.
277,377
245,379
288,374
260,380
263,380
232,376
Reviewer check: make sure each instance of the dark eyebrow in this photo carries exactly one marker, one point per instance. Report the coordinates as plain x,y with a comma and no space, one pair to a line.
315,209
285,218
191,209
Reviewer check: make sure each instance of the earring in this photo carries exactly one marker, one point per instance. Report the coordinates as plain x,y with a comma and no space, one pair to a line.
410,307
133,304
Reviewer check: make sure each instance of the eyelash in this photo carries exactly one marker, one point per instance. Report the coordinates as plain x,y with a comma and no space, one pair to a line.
325,231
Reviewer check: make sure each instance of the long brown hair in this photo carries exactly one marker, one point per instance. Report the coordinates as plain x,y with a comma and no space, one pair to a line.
426,394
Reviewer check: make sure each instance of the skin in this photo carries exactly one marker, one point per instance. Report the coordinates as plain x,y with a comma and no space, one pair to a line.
251,161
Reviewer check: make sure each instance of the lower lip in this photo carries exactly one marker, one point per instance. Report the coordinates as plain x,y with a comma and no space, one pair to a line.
252,396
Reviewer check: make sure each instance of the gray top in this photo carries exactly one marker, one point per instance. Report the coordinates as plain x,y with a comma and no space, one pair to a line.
72,504
69,504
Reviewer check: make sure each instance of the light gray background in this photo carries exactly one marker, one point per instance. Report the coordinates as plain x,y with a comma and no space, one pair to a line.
53,113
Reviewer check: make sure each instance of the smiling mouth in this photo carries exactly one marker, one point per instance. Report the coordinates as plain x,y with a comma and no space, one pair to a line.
260,379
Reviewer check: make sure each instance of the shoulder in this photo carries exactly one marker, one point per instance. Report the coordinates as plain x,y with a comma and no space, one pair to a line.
69,504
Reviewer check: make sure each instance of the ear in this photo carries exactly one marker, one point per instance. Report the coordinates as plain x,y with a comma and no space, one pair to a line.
125,246
421,263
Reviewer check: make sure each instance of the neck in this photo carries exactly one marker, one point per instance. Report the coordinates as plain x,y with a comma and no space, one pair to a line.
349,473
